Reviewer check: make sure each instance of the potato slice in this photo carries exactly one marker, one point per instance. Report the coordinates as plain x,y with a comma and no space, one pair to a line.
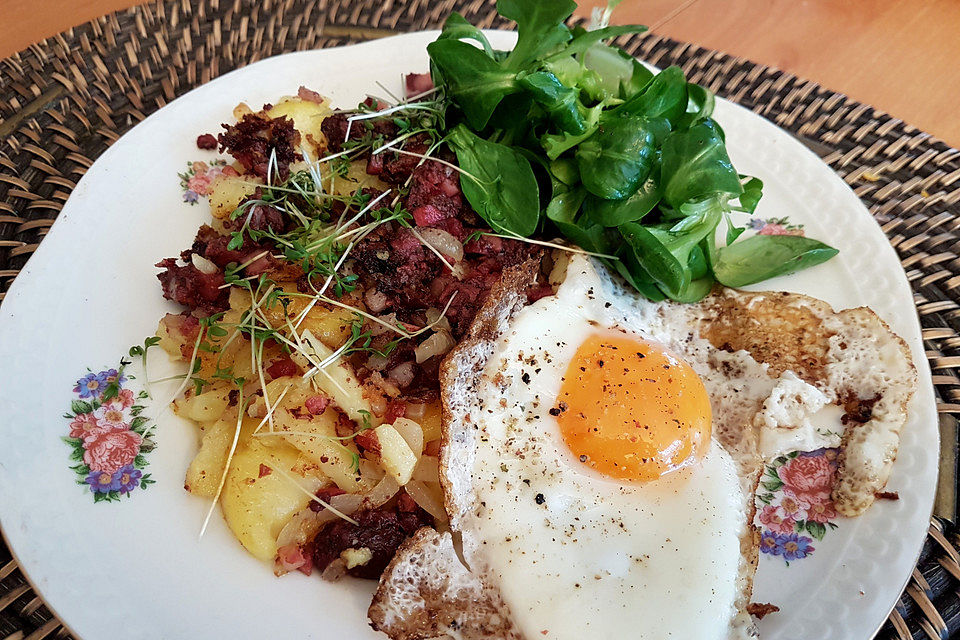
395,454
203,474
307,116
261,494
227,192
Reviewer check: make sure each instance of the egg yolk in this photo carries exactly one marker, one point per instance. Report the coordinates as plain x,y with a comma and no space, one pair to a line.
631,409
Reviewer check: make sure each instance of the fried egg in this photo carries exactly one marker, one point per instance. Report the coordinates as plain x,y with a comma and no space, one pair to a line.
601,454
603,504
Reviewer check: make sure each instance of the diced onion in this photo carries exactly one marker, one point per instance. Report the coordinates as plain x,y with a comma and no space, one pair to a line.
335,570
203,265
376,362
435,317
427,469
436,345
375,300
415,411
442,241
385,489
428,496
411,432
559,271
402,374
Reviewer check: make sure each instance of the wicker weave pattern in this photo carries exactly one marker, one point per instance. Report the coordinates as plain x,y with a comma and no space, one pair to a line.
65,100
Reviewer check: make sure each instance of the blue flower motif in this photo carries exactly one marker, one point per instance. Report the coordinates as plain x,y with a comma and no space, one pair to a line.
795,547
190,196
128,478
111,375
103,482
92,385
771,543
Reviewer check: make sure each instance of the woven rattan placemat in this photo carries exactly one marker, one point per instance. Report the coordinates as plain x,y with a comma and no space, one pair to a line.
65,100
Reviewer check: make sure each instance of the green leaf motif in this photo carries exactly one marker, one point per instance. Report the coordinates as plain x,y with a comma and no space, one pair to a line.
815,529
79,406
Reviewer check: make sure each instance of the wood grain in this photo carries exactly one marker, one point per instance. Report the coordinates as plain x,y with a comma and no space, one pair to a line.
899,56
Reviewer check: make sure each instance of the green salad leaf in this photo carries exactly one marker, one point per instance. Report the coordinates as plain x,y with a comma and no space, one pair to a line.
637,168
760,258
498,182
616,159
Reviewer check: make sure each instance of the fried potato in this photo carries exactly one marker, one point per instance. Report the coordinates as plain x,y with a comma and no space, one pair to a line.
395,454
261,494
226,193
307,116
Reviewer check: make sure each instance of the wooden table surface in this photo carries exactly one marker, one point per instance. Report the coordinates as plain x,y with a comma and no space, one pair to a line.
898,55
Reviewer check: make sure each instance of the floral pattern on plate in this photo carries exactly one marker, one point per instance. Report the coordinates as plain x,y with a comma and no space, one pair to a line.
199,176
775,227
109,435
794,505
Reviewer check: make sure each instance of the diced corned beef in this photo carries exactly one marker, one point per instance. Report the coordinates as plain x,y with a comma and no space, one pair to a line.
282,367
375,164
380,530
454,227
293,557
200,292
427,215
368,441
309,95
375,103
395,409
254,139
394,261
206,141
406,244
397,167
263,217
541,290
418,83
259,261
437,187
316,404
334,129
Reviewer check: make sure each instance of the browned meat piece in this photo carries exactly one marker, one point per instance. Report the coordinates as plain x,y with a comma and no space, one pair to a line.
254,139
207,141
380,530
200,292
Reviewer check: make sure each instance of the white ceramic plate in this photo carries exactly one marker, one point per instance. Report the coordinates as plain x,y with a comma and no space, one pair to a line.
136,568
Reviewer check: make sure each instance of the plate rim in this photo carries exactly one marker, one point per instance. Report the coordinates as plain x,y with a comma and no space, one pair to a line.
15,295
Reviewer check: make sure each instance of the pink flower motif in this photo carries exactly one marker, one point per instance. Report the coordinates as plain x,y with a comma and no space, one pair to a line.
86,424
200,184
822,511
111,450
807,478
125,397
199,167
771,517
790,507
773,229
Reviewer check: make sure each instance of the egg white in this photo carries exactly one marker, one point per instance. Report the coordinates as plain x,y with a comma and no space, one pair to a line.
576,554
